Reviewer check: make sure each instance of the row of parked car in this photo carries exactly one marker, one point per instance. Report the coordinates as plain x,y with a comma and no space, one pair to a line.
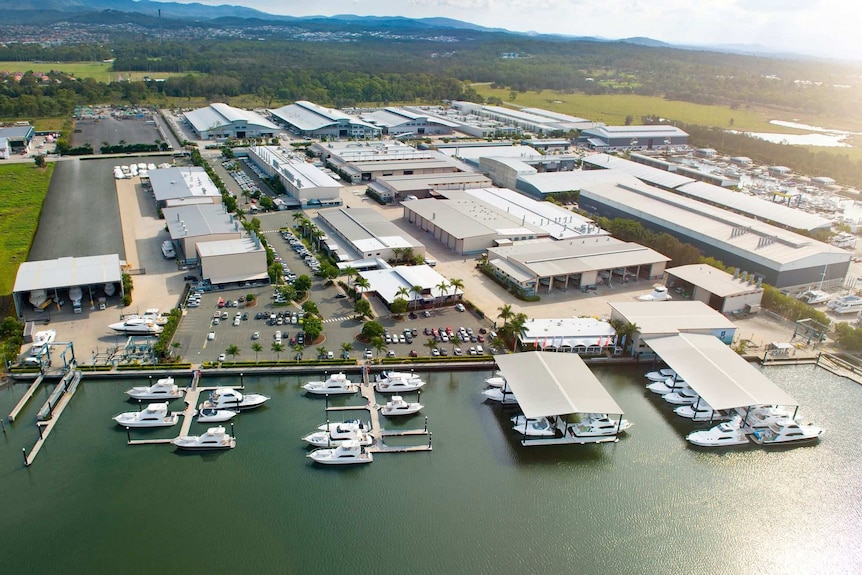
297,246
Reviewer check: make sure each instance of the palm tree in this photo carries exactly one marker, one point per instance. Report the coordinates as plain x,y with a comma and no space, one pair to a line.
321,351
416,291
444,289
277,348
362,283
397,254
378,344
456,341
298,349
256,348
457,284
506,313
516,327
430,343
402,292
350,272
346,348
232,351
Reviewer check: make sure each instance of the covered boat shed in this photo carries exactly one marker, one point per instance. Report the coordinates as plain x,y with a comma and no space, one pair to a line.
719,375
553,385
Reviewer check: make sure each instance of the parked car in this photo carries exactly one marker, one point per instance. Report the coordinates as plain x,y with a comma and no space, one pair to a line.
368,354
413,353
211,336
460,307
222,357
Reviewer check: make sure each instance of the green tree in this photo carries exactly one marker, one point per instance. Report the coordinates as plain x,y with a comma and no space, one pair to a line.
430,343
277,348
302,284
371,329
310,308
350,272
321,352
346,348
457,284
313,327
256,348
40,161
298,349
417,295
398,307
506,313
361,284
232,351
362,308
379,345
444,289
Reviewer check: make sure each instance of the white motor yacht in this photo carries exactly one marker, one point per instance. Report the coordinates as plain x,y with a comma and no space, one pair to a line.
336,384
164,388
397,406
661,374
398,382
659,293
700,411
667,386
722,435
681,397
335,434
349,424
155,415
211,415
40,339
496,381
348,453
785,431
534,426
501,394
137,325
597,425
214,438
230,398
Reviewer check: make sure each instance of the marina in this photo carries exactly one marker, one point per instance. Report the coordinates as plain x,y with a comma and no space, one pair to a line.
478,488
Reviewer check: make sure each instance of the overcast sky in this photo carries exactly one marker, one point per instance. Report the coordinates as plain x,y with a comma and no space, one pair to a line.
820,27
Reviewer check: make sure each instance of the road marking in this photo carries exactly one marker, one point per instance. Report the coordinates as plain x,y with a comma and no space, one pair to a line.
334,319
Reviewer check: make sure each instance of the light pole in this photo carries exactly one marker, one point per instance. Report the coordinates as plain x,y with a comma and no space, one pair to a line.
666,146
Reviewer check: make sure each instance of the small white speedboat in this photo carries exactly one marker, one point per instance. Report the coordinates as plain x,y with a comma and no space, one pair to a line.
534,426
210,415
501,394
681,397
598,425
722,435
214,438
398,382
154,415
336,384
164,388
700,411
348,453
399,407
667,386
230,398
661,374
496,381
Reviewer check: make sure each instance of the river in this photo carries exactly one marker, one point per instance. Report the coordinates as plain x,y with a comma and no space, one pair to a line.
479,503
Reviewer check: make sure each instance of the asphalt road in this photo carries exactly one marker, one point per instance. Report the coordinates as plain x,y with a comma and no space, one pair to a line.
113,131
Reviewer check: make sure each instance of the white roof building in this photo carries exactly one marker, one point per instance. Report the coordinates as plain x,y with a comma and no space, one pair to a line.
223,121
396,121
386,283
189,184
367,234
309,119
574,334
303,181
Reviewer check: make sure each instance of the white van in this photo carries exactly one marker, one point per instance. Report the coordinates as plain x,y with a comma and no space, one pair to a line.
431,263
168,249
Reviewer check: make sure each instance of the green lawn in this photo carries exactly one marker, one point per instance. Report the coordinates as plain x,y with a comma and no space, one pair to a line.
613,109
22,190
103,72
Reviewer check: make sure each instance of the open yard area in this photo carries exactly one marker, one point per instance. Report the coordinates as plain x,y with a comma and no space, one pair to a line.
100,71
613,109
22,190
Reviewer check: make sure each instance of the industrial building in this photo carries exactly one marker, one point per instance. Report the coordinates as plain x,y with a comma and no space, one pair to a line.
235,261
183,186
778,256
18,138
394,189
542,266
387,282
472,221
5,149
581,335
362,233
220,121
650,137
672,179
719,290
307,119
42,285
473,154
305,183
190,225
667,318
402,122
533,120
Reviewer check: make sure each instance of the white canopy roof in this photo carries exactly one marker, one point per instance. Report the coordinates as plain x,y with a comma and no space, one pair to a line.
554,384
68,271
717,373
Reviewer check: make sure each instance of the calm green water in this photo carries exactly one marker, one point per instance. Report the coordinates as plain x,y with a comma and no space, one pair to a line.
479,503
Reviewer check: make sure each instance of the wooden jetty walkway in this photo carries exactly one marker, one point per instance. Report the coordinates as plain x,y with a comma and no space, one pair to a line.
27,396
377,431
69,384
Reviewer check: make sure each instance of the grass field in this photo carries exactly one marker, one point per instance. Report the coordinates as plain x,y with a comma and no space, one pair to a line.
101,71
613,109
22,190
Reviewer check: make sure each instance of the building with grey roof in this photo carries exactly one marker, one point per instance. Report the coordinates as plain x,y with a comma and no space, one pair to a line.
18,137
398,188
308,119
649,137
183,186
55,277
367,234
302,181
387,282
472,221
542,266
781,257
533,120
719,290
234,261
219,120
396,121
5,149
189,225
